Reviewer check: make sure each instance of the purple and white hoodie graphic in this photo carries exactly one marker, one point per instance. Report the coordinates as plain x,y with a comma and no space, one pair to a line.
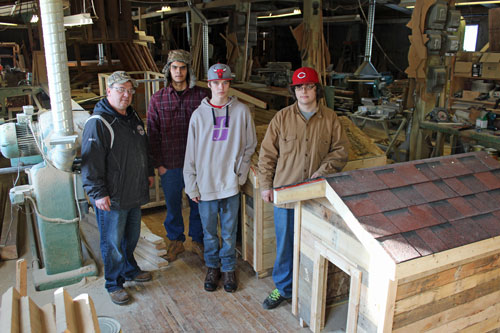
220,144
220,131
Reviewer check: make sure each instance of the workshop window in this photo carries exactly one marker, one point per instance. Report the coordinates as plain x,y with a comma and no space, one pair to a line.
470,37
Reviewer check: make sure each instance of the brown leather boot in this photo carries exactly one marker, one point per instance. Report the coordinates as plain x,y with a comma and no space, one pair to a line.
119,296
174,249
229,279
212,279
198,249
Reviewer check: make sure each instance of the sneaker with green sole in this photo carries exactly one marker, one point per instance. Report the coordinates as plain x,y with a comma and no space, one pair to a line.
273,300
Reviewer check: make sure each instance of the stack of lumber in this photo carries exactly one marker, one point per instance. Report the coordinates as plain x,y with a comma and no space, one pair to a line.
318,56
151,247
9,226
363,153
135,57
19,313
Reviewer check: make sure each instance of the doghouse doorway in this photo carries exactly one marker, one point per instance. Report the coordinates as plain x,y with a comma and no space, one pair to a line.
322,257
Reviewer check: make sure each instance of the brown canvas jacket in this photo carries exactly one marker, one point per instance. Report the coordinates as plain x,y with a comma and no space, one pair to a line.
293,149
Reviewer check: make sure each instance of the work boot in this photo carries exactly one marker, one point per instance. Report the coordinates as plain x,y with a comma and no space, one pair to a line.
229,279
174,249
143,277
273,300
119,296
212,279
198,249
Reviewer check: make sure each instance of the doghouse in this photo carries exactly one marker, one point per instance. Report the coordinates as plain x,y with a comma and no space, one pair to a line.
406,247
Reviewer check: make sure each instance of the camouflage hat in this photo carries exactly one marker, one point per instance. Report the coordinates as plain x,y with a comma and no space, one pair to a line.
219,72
121,77
178,55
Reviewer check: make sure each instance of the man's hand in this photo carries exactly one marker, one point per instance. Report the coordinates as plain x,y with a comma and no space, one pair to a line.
267,195
103,203
315,175
196,199
162,170
151,181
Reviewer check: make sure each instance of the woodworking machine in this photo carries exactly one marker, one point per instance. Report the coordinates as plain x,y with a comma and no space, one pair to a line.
55,191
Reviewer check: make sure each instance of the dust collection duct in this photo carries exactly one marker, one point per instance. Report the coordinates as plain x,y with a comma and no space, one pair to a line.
367,68
55,188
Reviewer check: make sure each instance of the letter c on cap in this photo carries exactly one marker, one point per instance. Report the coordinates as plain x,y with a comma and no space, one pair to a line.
301,75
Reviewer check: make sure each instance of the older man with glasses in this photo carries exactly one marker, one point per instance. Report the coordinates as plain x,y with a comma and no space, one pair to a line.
117,172
304,140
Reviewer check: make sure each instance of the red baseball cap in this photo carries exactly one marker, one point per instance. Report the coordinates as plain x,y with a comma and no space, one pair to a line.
304,75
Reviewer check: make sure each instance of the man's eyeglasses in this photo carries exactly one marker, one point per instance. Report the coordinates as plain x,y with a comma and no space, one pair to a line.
122,90
309,86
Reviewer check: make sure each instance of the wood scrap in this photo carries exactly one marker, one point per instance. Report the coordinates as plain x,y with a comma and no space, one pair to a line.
241,95
151,247
9,235
9,314
147,235
156,261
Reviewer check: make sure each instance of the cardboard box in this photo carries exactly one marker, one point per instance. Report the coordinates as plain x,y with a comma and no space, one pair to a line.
490,65
463,68
468,94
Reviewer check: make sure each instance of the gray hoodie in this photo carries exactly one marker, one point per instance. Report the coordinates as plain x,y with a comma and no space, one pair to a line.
218,150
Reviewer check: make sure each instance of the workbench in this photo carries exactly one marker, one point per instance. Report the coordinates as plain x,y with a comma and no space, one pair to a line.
483,137
399,120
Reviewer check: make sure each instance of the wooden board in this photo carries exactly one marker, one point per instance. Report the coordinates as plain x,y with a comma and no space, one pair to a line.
9,235
9,314
65,315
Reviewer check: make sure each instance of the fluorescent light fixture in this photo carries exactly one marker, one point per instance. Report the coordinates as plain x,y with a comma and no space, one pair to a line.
296,11
164,9
78,19
469,3
472,3
34,19
9,24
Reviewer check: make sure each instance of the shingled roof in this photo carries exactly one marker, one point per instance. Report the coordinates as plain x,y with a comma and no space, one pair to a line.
422,207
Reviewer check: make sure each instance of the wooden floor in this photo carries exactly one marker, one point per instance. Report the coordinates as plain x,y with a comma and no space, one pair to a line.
175,300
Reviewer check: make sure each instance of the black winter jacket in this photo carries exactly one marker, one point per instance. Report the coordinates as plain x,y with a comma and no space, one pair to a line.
121,171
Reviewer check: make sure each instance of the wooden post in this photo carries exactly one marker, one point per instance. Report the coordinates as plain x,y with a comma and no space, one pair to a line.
240,66
313,21
21,277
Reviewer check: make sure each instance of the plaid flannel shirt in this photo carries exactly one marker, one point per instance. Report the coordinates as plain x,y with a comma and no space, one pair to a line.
168,123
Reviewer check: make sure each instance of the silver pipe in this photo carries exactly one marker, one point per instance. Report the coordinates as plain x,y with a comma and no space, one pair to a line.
369,31
51,12
205,33
188,28
100,50
15,169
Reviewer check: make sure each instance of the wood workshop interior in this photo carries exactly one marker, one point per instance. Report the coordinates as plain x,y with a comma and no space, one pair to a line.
403,237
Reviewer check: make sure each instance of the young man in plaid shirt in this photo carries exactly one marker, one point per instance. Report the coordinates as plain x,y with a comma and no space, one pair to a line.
168,116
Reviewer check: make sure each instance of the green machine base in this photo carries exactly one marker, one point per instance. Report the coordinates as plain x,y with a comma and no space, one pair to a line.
44,281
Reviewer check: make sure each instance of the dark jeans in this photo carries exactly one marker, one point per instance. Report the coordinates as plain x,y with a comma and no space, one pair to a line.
120,231
283,265
172,183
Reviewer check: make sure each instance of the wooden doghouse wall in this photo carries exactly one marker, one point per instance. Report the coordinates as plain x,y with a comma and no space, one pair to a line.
321,225
465,297
258,236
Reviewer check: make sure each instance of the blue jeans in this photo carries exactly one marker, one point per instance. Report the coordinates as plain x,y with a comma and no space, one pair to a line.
172,183
283,265
227,209
120,231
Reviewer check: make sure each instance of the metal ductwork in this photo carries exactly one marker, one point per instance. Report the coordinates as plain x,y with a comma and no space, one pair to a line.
366,68
63,153
205,34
